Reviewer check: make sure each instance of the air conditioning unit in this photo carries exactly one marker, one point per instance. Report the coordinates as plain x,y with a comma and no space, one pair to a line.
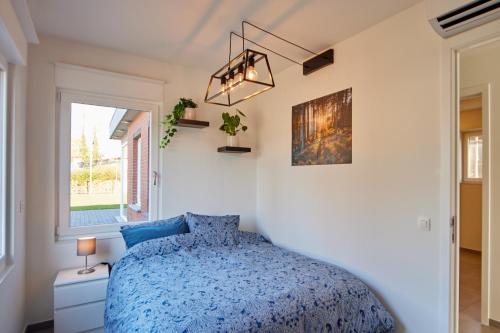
451,17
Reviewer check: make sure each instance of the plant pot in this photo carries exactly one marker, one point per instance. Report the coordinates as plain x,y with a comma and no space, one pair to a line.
232,141
190,113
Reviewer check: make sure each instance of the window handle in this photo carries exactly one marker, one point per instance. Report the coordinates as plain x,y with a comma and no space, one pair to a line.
155,178
453,226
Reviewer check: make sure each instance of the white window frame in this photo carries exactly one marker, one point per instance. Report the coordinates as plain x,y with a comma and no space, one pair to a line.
465,164
138,171
124,180
66,97
4,228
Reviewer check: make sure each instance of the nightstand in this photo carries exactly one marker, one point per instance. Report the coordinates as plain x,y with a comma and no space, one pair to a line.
79,300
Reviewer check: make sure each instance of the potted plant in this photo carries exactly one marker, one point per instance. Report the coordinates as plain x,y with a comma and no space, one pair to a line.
232,125
189,109
171,119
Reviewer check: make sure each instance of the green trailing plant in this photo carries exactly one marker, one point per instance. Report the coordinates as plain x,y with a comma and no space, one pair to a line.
171,119
232,123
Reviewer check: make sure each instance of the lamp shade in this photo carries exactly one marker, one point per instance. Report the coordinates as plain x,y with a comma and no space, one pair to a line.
85,246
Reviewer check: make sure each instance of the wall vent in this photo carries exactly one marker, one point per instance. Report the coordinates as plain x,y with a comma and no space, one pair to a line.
466,17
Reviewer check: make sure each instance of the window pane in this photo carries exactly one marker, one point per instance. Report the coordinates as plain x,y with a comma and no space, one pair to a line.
474,157
103,164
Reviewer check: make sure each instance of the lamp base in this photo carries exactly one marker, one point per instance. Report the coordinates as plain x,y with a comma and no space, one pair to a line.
86,271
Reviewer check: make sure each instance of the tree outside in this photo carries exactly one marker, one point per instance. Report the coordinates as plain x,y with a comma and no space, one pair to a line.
95,161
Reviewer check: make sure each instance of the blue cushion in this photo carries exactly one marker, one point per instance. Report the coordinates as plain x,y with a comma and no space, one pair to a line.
215,230
150,230
172,220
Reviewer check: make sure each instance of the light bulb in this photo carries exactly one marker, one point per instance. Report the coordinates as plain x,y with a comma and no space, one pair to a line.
223,86
230,82
252,73
240,75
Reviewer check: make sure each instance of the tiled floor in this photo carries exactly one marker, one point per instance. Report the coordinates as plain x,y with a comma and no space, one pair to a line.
470,295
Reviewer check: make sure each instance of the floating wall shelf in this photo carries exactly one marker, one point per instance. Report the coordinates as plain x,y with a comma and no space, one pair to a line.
192,123
228,149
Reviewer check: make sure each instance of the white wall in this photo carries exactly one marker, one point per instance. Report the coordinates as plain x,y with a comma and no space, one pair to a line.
12,292
363,216
195,177
436,8
13,47
477,67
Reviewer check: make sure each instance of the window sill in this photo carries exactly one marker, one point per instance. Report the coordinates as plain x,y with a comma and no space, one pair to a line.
107,231
104,231
98,235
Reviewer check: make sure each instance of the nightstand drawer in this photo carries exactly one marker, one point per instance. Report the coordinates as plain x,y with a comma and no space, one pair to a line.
80,293
80,318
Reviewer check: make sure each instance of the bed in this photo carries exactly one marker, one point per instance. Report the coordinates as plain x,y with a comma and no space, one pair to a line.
182,284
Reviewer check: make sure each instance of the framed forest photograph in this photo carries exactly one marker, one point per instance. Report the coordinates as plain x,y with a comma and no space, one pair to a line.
322,130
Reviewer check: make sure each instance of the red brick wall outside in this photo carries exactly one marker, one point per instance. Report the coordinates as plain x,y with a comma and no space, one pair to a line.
139,127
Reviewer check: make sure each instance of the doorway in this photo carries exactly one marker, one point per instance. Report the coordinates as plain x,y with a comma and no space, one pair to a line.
470,208
478,70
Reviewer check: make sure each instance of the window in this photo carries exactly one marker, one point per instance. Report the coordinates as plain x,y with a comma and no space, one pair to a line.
104,179
473,156
3,163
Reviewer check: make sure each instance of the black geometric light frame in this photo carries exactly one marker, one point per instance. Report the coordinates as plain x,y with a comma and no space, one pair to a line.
237,72
242,59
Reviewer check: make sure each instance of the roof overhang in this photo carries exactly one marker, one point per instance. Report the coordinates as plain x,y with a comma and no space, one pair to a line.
118,126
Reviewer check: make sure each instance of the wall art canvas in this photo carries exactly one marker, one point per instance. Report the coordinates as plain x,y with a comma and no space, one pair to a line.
322,130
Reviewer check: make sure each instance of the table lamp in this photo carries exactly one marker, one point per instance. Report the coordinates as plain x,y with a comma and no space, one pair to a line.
85,246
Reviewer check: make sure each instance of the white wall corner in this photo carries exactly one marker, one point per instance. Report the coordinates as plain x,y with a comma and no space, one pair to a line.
13,43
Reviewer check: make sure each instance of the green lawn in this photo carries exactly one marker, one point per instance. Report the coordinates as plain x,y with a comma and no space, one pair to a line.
94,207
95,201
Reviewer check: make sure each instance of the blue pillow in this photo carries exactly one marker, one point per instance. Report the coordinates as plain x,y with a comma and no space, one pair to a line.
215,230
138,234
172,220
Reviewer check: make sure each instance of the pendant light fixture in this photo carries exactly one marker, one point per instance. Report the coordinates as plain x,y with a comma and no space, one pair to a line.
249,73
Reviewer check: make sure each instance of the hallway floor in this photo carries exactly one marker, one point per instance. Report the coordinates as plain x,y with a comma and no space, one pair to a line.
470,295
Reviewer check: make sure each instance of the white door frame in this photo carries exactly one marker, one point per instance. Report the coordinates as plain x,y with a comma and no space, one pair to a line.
450,95
484,90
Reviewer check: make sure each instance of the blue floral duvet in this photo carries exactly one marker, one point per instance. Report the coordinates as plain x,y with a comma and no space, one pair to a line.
180,284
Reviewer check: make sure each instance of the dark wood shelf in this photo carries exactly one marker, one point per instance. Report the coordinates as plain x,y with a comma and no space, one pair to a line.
228,149
192,123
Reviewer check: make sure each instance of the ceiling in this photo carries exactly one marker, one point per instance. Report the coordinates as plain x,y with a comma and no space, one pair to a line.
195,32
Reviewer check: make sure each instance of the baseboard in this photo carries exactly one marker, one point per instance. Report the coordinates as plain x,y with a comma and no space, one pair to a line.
39,326
494,323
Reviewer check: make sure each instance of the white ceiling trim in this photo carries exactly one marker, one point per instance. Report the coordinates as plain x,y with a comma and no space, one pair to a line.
24,16
13,44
